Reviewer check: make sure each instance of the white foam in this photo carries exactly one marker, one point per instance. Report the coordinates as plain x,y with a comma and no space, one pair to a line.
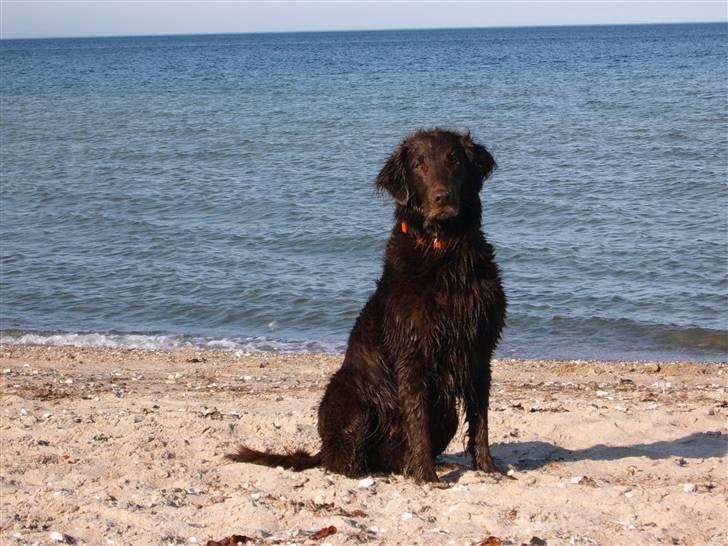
152,342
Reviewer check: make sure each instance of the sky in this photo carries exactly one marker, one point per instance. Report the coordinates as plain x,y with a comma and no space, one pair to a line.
64,18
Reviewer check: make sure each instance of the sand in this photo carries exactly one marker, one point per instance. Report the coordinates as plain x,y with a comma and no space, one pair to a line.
105,446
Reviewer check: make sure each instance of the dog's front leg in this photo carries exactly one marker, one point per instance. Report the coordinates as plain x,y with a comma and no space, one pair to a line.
476,413
412,394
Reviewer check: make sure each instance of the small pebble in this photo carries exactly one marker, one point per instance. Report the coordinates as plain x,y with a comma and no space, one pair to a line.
689,487
195,491
55,536
366,482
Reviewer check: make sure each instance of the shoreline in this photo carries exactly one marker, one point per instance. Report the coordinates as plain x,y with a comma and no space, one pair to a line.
262,344
125,446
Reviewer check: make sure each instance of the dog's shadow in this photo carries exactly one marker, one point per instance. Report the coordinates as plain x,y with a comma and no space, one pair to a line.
536,454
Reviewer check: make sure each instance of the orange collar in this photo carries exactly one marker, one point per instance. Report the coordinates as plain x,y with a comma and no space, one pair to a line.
436,242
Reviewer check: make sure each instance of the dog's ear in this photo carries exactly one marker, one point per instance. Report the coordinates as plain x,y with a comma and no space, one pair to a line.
481,162
393,176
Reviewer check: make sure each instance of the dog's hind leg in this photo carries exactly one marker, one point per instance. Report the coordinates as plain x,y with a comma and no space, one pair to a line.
344,426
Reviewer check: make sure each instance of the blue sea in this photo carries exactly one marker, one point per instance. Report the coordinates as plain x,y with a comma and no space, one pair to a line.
216,190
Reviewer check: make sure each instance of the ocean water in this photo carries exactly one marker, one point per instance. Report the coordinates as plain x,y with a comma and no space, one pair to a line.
216,190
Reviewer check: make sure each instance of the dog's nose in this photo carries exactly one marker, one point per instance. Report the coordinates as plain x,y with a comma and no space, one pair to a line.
443,198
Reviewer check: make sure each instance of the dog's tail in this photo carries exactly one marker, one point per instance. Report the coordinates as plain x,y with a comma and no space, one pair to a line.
296,460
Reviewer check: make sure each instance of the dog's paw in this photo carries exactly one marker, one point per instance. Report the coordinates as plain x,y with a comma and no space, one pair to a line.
423,474
486,464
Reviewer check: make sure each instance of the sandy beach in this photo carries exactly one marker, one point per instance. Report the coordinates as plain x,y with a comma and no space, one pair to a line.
107,446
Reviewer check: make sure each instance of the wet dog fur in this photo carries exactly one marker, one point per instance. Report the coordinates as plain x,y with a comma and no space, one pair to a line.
420,350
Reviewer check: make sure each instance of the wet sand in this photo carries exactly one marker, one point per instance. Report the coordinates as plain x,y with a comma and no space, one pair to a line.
104,446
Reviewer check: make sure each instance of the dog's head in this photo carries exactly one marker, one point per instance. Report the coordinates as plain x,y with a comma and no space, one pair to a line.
436,173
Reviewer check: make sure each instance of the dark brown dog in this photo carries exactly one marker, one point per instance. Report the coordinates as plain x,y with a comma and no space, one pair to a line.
422,345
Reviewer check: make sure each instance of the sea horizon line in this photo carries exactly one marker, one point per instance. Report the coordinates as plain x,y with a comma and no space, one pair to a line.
364,30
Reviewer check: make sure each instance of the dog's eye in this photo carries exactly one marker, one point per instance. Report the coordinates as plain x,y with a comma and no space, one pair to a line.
453,159
419,162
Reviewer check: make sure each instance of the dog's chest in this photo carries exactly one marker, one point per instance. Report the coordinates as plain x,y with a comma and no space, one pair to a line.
446,313
453,304
439,306
455,312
